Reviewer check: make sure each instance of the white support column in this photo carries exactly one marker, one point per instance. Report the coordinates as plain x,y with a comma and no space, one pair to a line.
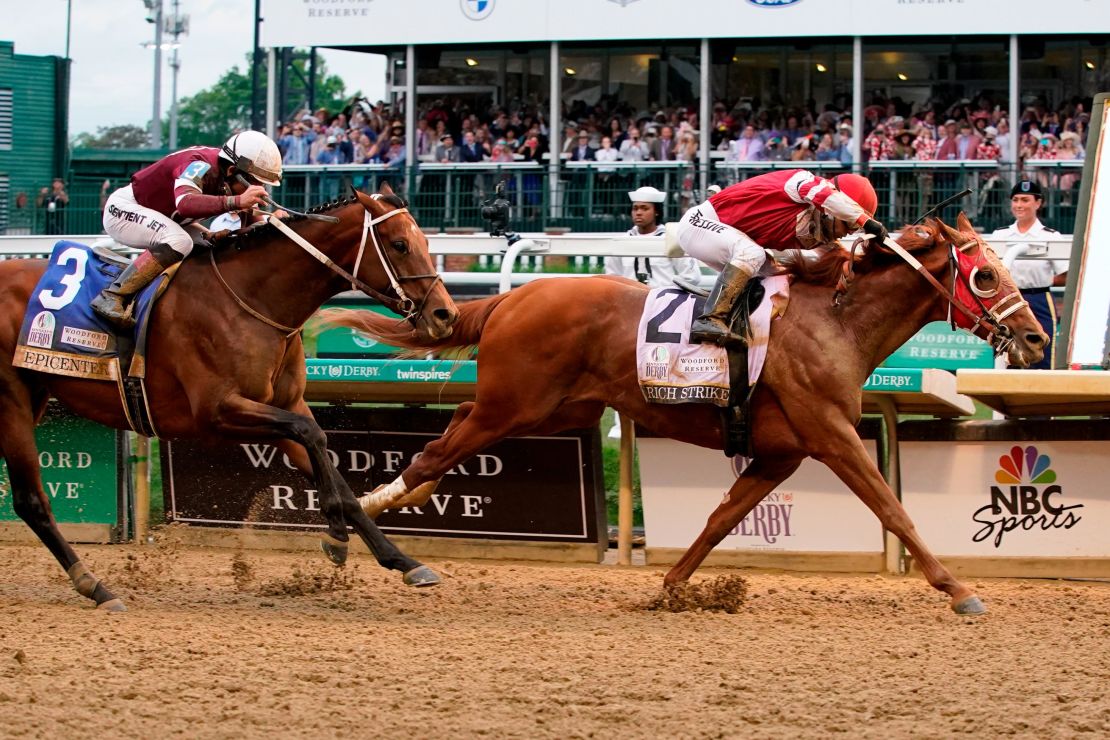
857,103
271,90
555,126
703,116
410,117
1015,102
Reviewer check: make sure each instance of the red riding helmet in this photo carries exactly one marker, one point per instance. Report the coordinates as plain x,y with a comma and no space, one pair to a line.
859,189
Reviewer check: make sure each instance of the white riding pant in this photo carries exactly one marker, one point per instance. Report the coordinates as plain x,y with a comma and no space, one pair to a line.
702,235
133,225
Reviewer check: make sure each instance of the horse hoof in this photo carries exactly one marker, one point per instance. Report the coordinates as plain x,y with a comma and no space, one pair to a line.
421,576
334,549
969,606
112,605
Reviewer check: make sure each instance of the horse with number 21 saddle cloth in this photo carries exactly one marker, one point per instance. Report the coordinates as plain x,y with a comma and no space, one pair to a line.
673,370
61,334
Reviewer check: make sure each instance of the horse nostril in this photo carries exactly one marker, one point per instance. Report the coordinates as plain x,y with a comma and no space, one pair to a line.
446,315
1034,339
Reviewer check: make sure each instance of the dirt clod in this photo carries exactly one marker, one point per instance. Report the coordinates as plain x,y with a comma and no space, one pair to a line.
722,594
242,572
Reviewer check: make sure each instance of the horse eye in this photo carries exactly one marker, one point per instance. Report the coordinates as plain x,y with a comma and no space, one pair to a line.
984,282
401,246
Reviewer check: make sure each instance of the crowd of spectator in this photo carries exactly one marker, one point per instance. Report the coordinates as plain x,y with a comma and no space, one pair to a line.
611,131
363,133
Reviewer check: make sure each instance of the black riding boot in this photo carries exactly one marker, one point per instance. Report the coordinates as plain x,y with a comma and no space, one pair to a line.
712,327
113,303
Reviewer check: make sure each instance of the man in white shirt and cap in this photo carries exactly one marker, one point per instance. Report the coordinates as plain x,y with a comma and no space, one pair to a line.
647,220
1034,277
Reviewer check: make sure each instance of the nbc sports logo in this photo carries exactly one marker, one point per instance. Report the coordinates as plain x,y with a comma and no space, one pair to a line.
1027,498
477,10
1024,466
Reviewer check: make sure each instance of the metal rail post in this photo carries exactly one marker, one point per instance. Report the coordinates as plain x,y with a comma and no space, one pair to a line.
142,488
624,495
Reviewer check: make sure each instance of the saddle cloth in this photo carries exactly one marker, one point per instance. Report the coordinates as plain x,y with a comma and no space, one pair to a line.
672,370
62,335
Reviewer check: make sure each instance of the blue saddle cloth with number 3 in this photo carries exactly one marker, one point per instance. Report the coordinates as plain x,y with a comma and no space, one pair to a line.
62,335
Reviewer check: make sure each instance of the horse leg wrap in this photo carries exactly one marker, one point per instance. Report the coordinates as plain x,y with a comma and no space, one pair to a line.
419,495
83,580
382,497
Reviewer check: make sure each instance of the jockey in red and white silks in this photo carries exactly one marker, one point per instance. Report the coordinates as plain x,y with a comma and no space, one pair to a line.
781,210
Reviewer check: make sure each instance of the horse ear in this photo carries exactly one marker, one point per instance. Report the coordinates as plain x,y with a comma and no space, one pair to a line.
963,223
367,201
385,189
964,237
950,234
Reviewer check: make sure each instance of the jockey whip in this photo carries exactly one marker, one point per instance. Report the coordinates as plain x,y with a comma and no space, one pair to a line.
310,216
962,194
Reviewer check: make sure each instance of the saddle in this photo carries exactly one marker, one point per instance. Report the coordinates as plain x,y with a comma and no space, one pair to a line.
61,335
735,417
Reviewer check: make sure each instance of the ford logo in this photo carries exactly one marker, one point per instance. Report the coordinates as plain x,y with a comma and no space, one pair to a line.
773,3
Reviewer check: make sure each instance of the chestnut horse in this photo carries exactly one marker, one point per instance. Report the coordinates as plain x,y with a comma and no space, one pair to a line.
554,353
225,358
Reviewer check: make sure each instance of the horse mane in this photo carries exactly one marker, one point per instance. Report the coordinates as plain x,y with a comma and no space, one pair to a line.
244,238
826,271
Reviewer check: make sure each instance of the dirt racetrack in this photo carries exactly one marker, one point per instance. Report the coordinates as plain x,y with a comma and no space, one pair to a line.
220,644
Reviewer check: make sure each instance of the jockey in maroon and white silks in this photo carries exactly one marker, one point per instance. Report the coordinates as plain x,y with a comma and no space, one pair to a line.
781,210
156,210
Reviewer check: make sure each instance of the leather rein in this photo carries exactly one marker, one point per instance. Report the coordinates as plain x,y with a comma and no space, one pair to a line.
401,304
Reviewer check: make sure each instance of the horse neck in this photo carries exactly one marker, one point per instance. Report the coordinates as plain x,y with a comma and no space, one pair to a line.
282,281
890,305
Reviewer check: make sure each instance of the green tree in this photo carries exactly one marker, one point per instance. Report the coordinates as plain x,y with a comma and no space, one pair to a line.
211,115
114,137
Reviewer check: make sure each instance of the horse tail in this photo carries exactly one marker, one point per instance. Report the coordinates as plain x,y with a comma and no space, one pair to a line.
467,329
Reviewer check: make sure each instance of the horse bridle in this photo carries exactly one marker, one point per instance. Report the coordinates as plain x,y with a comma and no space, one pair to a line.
400,304
990,319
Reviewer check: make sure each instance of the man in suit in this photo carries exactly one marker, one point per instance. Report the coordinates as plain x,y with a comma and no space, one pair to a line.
582,151
963,145
447,151
470,151
663,146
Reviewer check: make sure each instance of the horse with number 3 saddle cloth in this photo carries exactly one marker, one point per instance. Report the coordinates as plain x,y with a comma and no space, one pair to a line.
673,370
62,335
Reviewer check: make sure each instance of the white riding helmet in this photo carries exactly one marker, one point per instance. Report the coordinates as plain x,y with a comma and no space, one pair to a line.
255,154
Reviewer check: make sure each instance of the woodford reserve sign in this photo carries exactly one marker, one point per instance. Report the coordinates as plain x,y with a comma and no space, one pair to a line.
83,476
530,488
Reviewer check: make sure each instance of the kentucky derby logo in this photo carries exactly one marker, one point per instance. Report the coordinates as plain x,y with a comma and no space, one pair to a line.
477,10
1027,498
41,333
769,521
773,3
